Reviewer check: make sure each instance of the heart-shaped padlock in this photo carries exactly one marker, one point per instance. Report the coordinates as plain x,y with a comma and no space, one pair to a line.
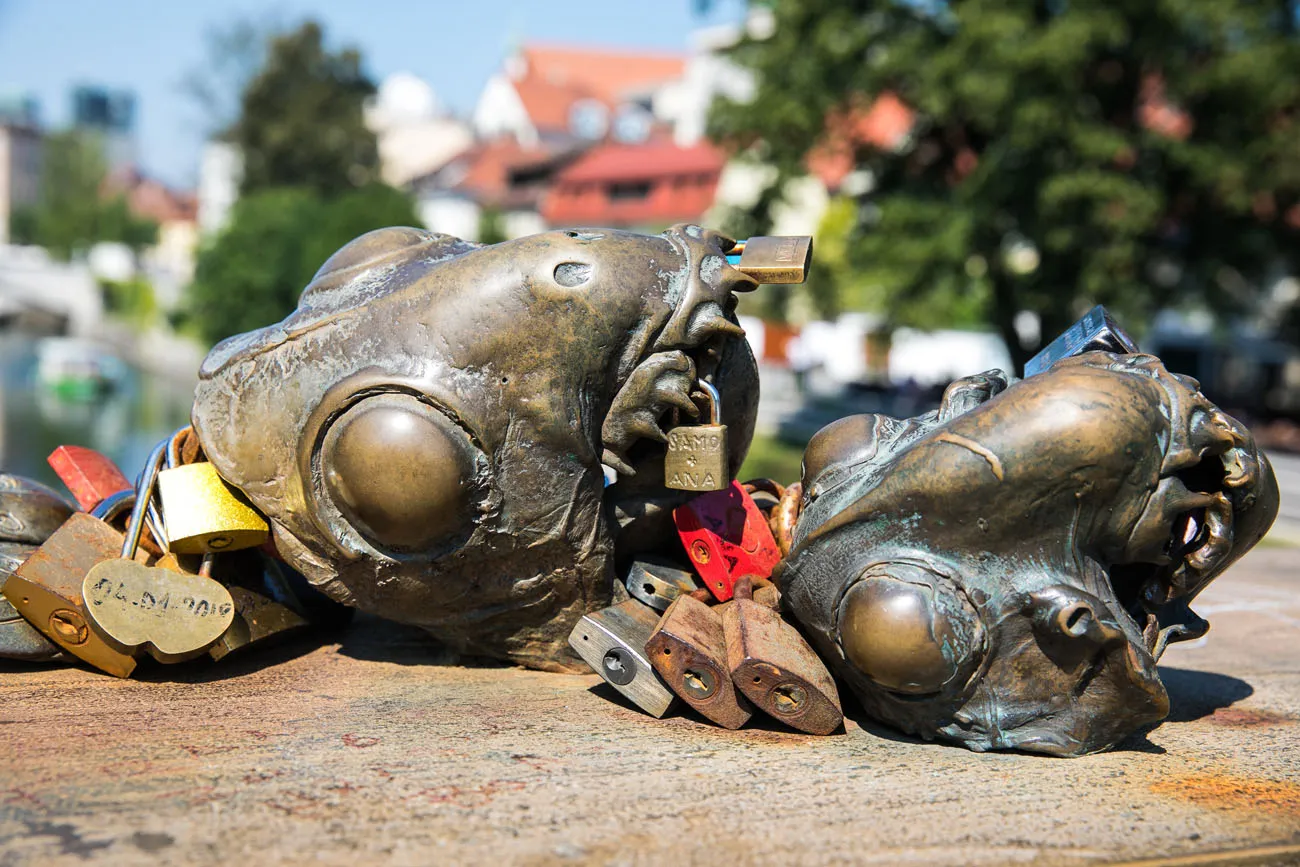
173,615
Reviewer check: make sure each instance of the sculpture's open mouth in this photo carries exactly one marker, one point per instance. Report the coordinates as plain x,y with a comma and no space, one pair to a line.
1202,500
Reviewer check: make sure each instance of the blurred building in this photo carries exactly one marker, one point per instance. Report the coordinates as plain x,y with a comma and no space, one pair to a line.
20,171
415,135
221,168
169,264
109,114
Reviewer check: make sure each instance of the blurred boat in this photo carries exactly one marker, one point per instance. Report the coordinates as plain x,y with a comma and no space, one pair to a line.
77,369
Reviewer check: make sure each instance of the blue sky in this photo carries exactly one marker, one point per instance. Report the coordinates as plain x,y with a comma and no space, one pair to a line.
149,46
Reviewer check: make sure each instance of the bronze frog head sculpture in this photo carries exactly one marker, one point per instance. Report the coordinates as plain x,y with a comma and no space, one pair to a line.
426,432
1005,572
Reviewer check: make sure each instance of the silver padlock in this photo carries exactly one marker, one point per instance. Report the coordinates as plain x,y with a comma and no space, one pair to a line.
657,584
1095,331
612,641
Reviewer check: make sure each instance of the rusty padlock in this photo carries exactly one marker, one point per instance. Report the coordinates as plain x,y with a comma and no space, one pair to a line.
689,651
612,641
89,475
266,608
47,590
726,535
774,667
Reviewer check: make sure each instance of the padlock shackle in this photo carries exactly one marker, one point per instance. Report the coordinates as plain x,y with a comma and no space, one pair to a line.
174,447
143,499
715,401
113,505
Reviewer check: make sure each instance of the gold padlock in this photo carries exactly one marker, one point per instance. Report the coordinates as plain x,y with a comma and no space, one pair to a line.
697,458
205,515
774,259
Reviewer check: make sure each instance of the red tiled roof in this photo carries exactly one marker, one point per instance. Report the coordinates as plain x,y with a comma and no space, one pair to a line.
489,168
649,184
555,78
606,74
149,198
653,159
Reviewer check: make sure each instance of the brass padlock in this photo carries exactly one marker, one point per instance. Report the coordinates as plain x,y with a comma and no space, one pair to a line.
132,607
202,513
47,590
689,651
697,457
775,668
773,259
612,641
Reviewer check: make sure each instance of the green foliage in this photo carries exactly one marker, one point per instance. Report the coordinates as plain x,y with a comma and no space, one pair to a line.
132,300
1144,149
251,274
301,120
71,215
491,228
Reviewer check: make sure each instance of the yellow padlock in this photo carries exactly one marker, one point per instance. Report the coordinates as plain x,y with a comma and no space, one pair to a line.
205,515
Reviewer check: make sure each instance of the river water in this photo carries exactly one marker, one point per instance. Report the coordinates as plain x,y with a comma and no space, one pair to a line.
123,422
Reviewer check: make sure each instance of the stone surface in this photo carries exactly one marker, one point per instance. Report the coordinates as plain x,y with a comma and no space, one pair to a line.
371,748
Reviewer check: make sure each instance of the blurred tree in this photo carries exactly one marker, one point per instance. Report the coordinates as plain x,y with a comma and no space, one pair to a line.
234,53
491,227
301,121
251,274
1136,153
71,214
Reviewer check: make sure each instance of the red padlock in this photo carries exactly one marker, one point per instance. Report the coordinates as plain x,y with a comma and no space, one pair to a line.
89,475
726,536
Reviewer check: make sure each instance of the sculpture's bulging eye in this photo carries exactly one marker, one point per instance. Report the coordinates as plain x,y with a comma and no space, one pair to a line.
907,637
572,274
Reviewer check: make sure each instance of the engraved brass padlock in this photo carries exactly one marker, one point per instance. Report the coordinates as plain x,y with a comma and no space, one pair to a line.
203,514
612,641
174,615
689,651
697,457
773,259
266,608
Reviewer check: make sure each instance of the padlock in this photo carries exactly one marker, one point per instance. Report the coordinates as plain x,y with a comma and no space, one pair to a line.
204,514
773,259
689,651
774,667
657,583
1096,331
29,511
266,608
46,590
726,535
697,458
133,607
612,641
89,475
18,638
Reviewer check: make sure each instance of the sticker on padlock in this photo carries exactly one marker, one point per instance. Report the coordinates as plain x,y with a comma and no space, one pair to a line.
202,512
132,607
726,535
697,458
689,651
774,667
18,638
612,641
657,583
47,590
89,475
29,511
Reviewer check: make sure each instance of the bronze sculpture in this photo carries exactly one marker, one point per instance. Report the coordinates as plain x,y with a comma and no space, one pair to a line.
426,432
1004,572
